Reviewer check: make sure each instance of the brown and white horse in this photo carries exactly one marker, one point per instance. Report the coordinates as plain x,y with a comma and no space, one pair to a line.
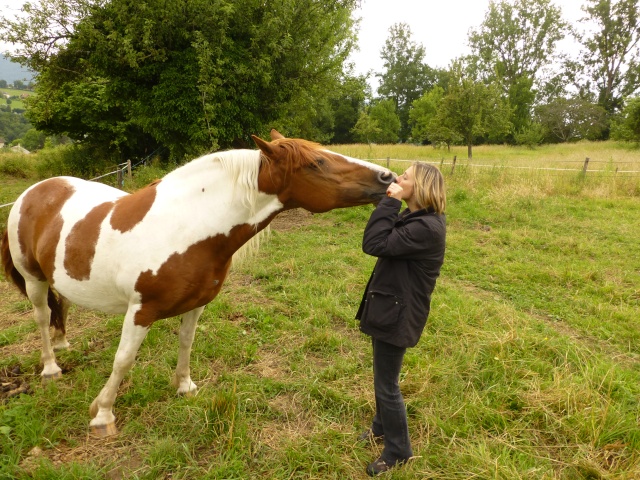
166,249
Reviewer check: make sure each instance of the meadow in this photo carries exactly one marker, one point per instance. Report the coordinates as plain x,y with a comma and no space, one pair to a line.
15,102
529,367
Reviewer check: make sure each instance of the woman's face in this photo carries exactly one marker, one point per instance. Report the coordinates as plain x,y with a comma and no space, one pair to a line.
406,182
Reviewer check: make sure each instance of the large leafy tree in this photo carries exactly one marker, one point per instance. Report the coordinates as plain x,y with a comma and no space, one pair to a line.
472,109
627,125
426,125
572,119
378,124
347,103
190,75
513,44
612,55
405,75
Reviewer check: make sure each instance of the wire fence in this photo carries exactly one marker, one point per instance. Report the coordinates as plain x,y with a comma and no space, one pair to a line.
122,169
621,168
586,167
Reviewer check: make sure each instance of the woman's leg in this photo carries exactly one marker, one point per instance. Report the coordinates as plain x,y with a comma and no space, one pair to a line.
391,413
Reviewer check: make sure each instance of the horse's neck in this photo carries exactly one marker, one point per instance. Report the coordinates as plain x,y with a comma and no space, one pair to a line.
221,188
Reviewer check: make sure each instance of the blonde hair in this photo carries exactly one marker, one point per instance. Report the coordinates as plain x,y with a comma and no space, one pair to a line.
428,187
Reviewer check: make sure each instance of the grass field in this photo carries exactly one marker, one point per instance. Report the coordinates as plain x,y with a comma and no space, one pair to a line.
15,102
529,367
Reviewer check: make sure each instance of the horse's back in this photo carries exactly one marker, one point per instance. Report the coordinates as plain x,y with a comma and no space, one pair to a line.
38,220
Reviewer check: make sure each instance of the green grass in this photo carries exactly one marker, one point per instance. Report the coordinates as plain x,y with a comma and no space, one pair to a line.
15,102
529,367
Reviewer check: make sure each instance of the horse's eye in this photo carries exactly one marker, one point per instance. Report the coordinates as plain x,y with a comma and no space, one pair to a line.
319,163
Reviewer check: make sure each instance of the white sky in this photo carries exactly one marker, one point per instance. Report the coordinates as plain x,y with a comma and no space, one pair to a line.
441,26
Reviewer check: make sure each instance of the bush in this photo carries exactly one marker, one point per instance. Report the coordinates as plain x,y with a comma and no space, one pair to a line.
72,160
16,166
531,136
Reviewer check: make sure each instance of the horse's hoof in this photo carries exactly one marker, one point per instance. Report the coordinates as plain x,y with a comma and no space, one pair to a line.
46,377
60,346
102,431
188,393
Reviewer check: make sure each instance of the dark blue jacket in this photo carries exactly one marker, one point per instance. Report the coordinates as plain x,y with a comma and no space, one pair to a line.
410,250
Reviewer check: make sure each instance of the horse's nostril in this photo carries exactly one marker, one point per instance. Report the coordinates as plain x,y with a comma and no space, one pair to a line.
386,177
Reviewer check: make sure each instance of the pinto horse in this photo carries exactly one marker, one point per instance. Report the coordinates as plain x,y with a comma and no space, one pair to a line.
166,249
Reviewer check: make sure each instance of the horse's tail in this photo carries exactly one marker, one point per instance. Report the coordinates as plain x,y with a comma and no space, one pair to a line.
12,273
10,270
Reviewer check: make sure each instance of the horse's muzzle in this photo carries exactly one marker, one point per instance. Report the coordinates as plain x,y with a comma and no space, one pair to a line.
386,178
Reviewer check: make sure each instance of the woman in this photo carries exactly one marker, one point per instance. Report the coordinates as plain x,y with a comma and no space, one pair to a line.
395,306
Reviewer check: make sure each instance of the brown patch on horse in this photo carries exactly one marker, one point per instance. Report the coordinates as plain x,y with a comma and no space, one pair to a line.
191,279
40,225
80,246
131,209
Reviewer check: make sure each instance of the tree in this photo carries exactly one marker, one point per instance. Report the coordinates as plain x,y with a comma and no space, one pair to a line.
472,109
383,113
33,140
612,51
513,44
425,122
405,77
366,128
626,126
379,125
347,103
3,84
572,119
12,126
191,75
423,113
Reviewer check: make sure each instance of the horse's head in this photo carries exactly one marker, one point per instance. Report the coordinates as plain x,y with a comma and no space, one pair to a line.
304,174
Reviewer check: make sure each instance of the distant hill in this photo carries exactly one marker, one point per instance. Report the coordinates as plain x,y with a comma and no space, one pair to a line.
11,72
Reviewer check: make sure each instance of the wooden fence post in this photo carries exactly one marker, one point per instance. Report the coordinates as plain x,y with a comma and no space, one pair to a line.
387,162
129,176
586,163
453,165
120,179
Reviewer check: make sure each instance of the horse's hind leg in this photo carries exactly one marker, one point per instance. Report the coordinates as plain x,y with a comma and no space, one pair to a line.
182,378
103,421
37,293
59,338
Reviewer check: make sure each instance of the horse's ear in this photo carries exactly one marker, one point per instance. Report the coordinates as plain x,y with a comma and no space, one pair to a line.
276,135
264,146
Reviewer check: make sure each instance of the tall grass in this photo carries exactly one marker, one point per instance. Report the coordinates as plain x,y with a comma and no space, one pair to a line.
528,367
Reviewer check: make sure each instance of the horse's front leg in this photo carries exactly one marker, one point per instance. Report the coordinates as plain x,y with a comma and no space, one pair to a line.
103,421
182,378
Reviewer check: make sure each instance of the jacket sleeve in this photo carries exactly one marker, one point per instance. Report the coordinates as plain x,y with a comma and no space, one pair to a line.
383,239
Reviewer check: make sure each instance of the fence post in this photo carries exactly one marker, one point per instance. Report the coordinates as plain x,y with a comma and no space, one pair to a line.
586,163
441,162
453,165
388,162
129,169
120,179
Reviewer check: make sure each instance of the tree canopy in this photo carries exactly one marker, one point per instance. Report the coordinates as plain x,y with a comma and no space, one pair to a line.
190,75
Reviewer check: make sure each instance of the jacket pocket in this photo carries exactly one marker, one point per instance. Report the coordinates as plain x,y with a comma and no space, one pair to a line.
383,310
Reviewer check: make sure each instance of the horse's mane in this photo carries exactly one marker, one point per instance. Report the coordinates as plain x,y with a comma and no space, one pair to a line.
302,152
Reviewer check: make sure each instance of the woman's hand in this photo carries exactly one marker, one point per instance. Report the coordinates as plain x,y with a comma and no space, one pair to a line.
395,191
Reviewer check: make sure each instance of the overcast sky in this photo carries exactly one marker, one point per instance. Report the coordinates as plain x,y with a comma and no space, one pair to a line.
441,26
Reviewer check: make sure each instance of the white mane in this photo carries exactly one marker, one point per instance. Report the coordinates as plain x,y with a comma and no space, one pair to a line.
241,169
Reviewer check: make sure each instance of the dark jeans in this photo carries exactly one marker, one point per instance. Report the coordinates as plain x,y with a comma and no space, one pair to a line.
391,413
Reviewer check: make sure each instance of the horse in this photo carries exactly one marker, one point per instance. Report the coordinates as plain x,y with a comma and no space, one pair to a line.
166,249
